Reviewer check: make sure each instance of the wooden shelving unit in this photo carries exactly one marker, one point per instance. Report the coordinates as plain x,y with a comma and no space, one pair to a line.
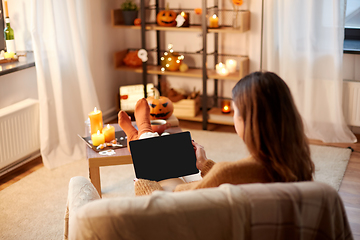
214,115
116,21
191,72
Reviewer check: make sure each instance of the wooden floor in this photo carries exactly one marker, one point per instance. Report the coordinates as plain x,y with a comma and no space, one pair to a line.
349,189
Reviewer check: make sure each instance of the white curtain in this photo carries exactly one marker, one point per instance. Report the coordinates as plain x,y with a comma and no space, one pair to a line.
303,44
65,85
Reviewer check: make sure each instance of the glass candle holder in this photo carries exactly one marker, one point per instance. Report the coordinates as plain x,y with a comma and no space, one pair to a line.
226,106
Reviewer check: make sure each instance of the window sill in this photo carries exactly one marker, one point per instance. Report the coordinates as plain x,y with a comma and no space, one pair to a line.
6,68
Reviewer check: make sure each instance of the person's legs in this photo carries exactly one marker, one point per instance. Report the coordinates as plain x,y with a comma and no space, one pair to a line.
142,117
125,124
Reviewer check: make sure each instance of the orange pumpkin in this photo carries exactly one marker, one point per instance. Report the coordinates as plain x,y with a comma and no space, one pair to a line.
137,22
160,107
166,17
238,2
132,60
198,11
172,61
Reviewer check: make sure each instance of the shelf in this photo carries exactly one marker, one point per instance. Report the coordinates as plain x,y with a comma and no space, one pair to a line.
191,72
214,116
117,22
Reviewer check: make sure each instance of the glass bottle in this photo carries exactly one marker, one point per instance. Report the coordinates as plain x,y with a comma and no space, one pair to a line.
9,32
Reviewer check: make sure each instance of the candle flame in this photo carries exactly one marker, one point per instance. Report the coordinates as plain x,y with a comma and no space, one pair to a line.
98,132
226,108
108,126
95,110
182,14
214,16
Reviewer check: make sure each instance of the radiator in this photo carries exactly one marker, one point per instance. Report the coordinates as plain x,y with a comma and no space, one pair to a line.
19,133
351,102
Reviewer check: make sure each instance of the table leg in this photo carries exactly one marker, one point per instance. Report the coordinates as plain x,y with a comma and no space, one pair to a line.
94,173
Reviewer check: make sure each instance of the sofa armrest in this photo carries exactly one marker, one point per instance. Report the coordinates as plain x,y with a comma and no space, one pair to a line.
81,191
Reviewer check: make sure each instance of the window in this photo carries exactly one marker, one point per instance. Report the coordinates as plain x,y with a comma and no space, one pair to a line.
352,27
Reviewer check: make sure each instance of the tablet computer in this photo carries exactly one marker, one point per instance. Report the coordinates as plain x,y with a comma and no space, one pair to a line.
164,157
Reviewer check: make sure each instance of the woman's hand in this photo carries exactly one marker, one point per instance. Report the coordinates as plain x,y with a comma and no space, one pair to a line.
200,155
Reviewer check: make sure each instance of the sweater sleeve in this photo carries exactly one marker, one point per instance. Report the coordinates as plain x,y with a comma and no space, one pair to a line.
207,166
146,187
239,172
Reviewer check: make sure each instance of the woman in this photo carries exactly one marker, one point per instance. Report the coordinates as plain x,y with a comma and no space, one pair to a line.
266,118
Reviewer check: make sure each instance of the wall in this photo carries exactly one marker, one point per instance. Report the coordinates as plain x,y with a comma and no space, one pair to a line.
103,41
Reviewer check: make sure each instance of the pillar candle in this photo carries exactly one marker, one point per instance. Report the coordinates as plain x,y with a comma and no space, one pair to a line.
96,121
109,133
213,21
218,67
231,65
223,72
97,138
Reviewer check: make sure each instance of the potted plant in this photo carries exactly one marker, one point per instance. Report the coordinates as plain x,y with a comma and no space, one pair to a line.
129,11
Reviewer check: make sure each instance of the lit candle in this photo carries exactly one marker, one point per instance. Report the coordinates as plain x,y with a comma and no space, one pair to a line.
96,121
231,65
226,106
182,20
97,138
223,72
9,55
218,67
109,133
213,21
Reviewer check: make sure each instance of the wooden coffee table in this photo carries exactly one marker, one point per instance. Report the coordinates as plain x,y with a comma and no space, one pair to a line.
121,157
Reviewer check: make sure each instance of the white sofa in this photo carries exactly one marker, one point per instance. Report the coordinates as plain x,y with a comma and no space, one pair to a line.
303,210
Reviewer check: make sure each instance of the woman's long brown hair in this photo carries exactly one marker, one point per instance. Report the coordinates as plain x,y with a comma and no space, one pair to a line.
273,128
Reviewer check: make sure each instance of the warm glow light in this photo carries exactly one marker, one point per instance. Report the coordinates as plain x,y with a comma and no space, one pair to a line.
98,132
95,110
182,14
162,69
177,61
214,16
165,53
226,106
224,72
169,59
170,46
162,58
167,65
171,50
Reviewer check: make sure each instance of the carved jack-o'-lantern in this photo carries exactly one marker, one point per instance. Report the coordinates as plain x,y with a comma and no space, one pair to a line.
160,107
238,2
166,18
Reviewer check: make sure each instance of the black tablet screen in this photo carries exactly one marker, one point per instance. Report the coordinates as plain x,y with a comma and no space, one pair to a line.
164,157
